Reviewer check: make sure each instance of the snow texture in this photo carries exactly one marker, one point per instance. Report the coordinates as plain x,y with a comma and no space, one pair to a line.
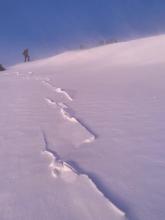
82,135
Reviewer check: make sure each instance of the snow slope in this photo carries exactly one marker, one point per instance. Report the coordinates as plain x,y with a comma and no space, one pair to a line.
82,135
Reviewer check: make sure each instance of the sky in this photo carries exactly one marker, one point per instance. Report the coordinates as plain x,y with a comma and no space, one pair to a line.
48,27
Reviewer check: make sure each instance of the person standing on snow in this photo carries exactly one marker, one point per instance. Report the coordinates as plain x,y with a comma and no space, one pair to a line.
26,55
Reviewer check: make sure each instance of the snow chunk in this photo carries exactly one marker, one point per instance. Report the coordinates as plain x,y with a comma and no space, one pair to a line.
59,90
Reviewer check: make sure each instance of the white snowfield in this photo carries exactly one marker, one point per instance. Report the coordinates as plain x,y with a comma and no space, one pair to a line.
82,135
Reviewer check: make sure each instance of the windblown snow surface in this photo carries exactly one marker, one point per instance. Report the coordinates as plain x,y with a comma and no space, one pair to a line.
82,135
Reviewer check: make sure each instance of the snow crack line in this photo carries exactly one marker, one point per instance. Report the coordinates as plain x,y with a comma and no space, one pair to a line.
57,166
60,168
64,170
67,114
57,90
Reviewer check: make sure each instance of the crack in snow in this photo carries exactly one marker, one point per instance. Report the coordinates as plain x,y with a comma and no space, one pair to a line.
60,168
51,102
57,90
67,114
57,166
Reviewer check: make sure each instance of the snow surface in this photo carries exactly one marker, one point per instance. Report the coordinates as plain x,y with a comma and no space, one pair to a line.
82,135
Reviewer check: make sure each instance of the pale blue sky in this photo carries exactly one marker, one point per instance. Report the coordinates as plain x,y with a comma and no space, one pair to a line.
49,26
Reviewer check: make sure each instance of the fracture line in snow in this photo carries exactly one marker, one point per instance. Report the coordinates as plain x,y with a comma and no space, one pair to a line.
66,114
112,205
57,90
51,102
59,167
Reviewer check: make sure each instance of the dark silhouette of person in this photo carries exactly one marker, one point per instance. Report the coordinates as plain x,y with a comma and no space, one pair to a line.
26,55
1,68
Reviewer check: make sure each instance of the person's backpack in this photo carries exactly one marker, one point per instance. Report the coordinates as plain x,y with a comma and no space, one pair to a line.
25,52
1,68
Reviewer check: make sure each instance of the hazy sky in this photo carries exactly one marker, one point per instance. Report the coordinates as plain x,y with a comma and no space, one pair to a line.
49,26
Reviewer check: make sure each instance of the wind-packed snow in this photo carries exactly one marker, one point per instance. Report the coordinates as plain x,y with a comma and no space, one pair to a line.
82,135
